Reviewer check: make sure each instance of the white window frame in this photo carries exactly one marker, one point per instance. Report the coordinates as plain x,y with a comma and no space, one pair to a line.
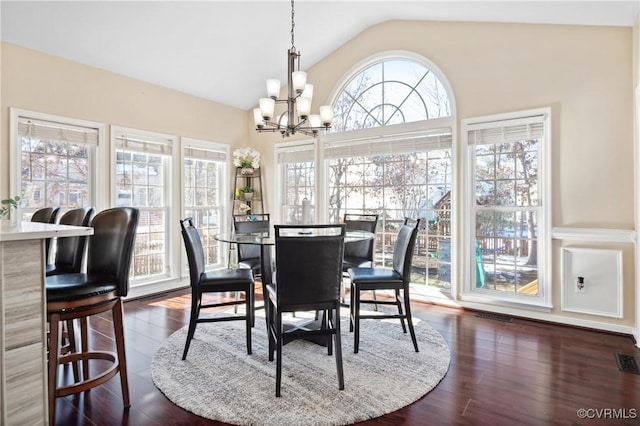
185,144
281,148
402,132
469,291
172,200
382,132
97,164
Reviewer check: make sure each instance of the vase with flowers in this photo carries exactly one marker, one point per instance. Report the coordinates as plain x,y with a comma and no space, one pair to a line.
248,159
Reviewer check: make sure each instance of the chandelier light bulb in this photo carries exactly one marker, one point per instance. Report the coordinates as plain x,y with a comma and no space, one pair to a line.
303,106
267,105
315,120
283,122
326,114
273,88
257,118
307,92
299,79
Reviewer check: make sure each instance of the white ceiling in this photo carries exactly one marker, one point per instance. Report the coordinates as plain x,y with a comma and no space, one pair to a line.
225,50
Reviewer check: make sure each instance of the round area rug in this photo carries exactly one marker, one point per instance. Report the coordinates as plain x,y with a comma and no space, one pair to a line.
219,381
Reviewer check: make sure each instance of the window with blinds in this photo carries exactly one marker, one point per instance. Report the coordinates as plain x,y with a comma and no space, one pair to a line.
398,176
142,169
56,162
204,195
297,182
508,199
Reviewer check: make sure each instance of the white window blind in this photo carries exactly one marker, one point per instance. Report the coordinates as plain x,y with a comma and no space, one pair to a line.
146,144
296,154
510,131
389,144
205,154
52,131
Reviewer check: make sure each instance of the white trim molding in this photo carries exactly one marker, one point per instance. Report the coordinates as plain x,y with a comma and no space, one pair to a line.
551,318
594,234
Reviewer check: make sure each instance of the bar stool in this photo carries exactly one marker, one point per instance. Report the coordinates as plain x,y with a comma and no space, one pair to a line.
100,289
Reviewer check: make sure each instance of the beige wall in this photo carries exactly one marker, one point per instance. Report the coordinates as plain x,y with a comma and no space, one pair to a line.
43,83
583,73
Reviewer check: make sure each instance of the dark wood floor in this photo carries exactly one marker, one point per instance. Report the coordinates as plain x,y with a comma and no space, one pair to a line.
501,373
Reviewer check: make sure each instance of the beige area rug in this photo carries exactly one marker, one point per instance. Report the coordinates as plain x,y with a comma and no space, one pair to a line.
219,381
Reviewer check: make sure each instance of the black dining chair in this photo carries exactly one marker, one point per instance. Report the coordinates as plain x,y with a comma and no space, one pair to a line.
249,254
68,257
69,251
46,215
100,289
218,281
396,279
359,254
308,278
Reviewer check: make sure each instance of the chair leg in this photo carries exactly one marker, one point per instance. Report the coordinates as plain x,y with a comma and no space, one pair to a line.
399,304
70,331
351,306
84,337
324,325
55,340
338,343
407,308
278,352
375,306
248,316
118,327
195,313
265,302
271,332
252,310
356,318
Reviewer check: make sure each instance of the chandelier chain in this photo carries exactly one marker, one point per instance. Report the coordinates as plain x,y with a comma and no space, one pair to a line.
293,25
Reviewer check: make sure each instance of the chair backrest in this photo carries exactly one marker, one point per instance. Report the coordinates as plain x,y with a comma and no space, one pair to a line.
361,222
261,225
70,250
308,263
195,252
403,248
46,215
111,245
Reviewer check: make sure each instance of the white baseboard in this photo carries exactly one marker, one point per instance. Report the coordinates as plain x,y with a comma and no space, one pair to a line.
547,317
149,289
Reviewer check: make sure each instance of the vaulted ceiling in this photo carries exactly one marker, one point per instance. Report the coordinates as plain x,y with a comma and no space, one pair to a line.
225,50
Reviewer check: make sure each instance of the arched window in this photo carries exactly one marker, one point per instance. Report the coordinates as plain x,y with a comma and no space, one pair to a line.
390,153
391,91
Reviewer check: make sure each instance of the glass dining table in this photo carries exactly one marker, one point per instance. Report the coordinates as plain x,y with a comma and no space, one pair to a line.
266,241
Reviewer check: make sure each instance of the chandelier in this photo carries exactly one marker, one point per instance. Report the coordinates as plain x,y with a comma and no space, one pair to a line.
297,117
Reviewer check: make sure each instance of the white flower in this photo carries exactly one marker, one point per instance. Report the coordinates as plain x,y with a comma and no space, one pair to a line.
244,208
246,157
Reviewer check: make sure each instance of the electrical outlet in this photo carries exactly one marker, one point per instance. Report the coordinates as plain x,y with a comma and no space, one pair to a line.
580,285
